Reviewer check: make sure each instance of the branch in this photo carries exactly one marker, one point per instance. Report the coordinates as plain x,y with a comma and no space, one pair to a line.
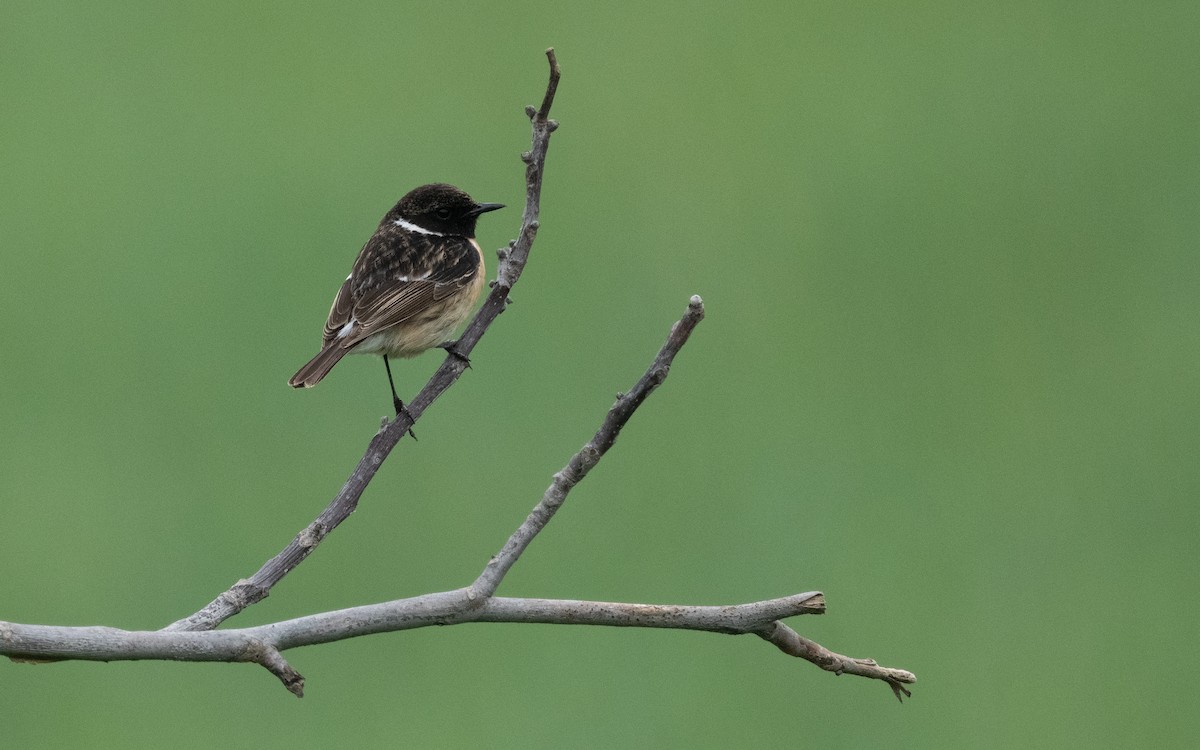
194,638
264,644
590,454
793,644
250,590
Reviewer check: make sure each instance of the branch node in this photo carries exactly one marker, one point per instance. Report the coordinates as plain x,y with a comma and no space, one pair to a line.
244,593
312,534
527,156
269,657
530,111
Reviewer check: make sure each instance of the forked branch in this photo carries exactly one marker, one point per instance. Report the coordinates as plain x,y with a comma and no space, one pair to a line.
264,645
195,638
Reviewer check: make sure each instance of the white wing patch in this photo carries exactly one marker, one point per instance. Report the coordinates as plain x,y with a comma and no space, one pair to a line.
408,225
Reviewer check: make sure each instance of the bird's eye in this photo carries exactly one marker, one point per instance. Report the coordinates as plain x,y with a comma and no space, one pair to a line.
443,213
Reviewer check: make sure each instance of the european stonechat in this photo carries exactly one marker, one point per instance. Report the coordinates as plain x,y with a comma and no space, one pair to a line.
413,283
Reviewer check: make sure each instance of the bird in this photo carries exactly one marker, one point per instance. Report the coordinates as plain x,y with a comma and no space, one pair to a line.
414,281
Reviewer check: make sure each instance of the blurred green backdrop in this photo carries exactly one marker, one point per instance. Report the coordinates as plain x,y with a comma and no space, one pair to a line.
948,374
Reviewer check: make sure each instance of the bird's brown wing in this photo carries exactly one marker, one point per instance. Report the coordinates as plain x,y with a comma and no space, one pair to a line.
339,313
393,281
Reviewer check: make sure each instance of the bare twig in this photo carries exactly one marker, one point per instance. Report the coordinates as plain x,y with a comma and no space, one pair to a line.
194,638
263,645
512,262
589,455
792,643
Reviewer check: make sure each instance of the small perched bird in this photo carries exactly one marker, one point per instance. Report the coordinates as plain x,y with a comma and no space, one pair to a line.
413,283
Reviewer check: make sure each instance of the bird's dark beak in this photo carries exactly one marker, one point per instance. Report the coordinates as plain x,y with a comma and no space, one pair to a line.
483,208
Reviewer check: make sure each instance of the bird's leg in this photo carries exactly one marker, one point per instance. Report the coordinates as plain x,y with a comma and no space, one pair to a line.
451,348
396,402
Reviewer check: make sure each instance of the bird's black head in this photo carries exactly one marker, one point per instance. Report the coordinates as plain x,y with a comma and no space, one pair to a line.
440,208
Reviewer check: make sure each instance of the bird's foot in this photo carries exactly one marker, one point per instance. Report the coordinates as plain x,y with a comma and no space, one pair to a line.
401,410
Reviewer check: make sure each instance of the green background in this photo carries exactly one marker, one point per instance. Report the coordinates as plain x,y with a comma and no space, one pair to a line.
948,374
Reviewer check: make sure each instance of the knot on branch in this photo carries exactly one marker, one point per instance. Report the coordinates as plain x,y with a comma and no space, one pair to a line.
588,457
578,467
312,534
244,593
567,477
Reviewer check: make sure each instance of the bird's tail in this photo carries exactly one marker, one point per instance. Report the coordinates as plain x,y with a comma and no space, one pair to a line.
318,367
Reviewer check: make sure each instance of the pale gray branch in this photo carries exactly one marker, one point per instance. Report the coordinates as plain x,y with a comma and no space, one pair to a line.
732,619
195,639
591,453
263,644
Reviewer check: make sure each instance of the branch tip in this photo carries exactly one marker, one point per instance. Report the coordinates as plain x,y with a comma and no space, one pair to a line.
551,87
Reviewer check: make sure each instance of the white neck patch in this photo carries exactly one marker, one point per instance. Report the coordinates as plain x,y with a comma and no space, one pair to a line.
408,225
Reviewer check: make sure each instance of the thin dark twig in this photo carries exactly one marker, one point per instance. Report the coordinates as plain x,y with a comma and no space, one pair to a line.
551,87
512,262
